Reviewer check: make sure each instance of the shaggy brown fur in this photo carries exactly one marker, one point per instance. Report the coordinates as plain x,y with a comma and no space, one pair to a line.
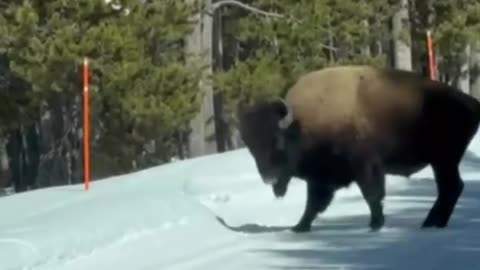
350,104
358,123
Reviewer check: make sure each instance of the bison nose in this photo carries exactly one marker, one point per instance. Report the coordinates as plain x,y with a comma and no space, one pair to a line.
270,180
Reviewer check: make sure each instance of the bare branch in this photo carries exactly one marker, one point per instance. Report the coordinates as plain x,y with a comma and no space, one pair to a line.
58,148
328,47
255,10
219,4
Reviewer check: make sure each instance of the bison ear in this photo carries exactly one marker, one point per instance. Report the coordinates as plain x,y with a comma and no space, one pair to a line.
281,107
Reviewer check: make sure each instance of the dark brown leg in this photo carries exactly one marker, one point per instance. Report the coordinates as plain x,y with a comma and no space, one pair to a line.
319,198
371,181
450,187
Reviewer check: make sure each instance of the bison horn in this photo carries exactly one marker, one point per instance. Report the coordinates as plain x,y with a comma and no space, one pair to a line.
286,121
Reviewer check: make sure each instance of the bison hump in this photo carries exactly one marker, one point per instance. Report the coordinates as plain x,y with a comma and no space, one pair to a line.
352,103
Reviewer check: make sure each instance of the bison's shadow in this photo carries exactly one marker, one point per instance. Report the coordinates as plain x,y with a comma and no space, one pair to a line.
251,228
471,161
342,243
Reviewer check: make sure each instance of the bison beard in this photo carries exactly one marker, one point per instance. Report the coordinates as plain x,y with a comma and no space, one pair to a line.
280,187
357,124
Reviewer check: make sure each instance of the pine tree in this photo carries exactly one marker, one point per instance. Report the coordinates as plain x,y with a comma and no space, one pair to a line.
456,28
143,91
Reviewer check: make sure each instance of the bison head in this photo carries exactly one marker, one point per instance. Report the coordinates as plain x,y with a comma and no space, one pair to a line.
271,136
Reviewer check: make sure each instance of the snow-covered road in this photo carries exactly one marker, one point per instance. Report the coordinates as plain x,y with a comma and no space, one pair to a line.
215,213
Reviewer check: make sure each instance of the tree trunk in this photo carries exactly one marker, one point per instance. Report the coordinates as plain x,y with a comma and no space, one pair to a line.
46,148
230,55
217,51
4,168
475,72
54,166
402,38
199,43
16,159
367,49
31,155
463,82
71,139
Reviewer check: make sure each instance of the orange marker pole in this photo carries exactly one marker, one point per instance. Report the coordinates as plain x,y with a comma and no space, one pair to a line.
86,127
431,61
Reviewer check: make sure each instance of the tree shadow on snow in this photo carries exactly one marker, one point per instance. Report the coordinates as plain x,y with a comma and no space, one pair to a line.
347,243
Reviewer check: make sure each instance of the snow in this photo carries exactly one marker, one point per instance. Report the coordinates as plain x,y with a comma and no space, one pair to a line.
215,213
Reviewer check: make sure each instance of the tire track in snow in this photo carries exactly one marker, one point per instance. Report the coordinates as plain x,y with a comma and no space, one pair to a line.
68,257
27,245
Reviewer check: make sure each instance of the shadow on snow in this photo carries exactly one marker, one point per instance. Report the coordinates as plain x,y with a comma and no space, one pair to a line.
347,243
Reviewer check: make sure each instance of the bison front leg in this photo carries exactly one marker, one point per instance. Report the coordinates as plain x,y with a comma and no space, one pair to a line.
371,181
319,198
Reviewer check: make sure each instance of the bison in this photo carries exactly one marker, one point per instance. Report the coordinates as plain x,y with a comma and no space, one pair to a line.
346,124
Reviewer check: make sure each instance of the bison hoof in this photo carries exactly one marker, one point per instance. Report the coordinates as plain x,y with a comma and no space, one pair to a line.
429,223
377,224
279,190
300,228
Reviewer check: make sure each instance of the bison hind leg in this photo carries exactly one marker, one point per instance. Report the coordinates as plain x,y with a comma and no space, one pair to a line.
450,186
447,178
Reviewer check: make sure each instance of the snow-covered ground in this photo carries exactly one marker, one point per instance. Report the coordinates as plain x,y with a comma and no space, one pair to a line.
214,213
